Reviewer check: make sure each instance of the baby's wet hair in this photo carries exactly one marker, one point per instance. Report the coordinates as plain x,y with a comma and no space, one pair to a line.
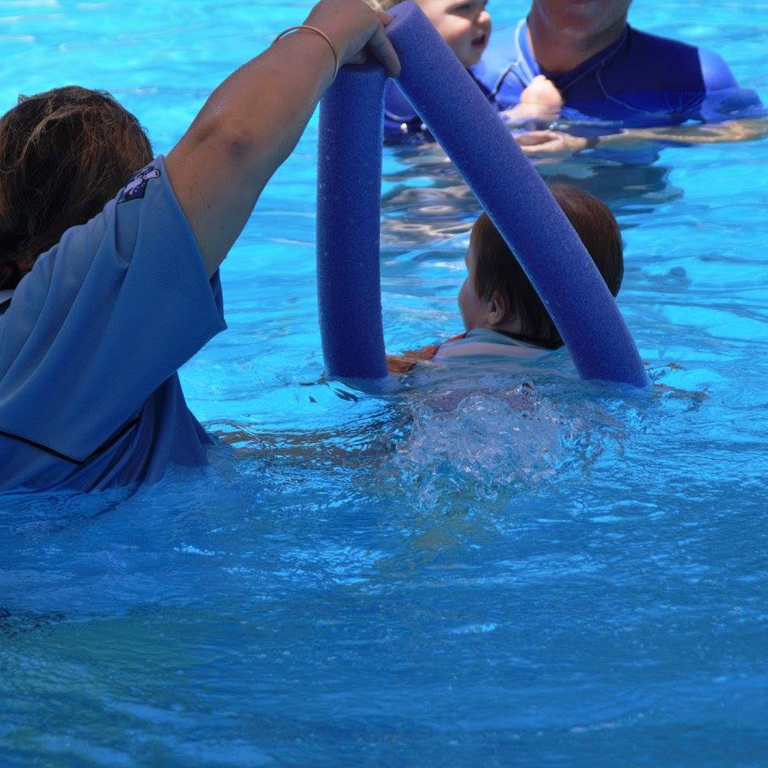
498,274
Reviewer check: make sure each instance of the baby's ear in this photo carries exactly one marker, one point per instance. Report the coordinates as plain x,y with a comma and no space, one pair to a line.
497,308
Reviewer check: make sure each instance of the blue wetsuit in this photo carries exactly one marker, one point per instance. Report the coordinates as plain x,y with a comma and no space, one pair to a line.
90,345
401,123
640,80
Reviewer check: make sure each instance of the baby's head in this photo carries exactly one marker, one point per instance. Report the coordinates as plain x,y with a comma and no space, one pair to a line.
497,293
464,24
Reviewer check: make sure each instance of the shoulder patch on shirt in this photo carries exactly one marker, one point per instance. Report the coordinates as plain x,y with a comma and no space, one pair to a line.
137,184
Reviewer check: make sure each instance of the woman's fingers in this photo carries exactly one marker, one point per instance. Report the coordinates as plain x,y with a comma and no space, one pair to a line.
357,31
381,48
374,43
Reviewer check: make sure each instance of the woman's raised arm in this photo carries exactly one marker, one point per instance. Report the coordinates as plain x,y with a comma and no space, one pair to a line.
253,120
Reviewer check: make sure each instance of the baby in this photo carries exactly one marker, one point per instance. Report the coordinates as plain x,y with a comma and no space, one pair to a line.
502,312
465,25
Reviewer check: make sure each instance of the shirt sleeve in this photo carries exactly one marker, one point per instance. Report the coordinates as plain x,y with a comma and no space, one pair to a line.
723,98
103,319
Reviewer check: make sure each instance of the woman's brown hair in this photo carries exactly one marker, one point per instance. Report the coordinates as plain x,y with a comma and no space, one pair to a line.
63,155
498,273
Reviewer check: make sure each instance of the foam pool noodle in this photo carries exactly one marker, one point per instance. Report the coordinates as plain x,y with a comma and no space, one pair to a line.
504,181
348,224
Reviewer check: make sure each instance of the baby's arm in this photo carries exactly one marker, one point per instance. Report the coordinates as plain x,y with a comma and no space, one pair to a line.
539,101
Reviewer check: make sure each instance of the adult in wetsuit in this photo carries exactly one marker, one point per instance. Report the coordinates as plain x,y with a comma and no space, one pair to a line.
608,71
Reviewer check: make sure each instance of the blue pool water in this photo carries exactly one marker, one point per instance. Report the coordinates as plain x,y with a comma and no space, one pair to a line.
489,569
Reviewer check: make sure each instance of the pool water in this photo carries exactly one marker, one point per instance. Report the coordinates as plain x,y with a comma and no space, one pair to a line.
491,568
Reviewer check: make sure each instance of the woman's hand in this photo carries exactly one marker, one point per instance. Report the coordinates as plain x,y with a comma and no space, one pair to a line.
252,121
356,30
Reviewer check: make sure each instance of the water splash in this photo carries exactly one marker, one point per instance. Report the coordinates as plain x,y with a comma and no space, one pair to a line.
491,443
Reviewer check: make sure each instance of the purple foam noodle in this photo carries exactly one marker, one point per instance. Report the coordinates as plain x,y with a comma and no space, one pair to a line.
508,186
348,224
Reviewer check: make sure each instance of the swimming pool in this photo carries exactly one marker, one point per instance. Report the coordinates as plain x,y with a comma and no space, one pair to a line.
479,572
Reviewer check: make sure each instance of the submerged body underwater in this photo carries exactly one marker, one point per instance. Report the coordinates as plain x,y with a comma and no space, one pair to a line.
484,569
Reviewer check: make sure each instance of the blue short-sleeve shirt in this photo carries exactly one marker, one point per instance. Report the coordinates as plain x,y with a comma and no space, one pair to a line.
91,343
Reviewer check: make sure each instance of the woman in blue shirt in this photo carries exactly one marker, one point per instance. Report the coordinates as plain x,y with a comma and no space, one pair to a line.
106,292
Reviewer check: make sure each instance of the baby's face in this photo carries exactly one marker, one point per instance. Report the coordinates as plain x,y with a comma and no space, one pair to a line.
464,24
473,309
